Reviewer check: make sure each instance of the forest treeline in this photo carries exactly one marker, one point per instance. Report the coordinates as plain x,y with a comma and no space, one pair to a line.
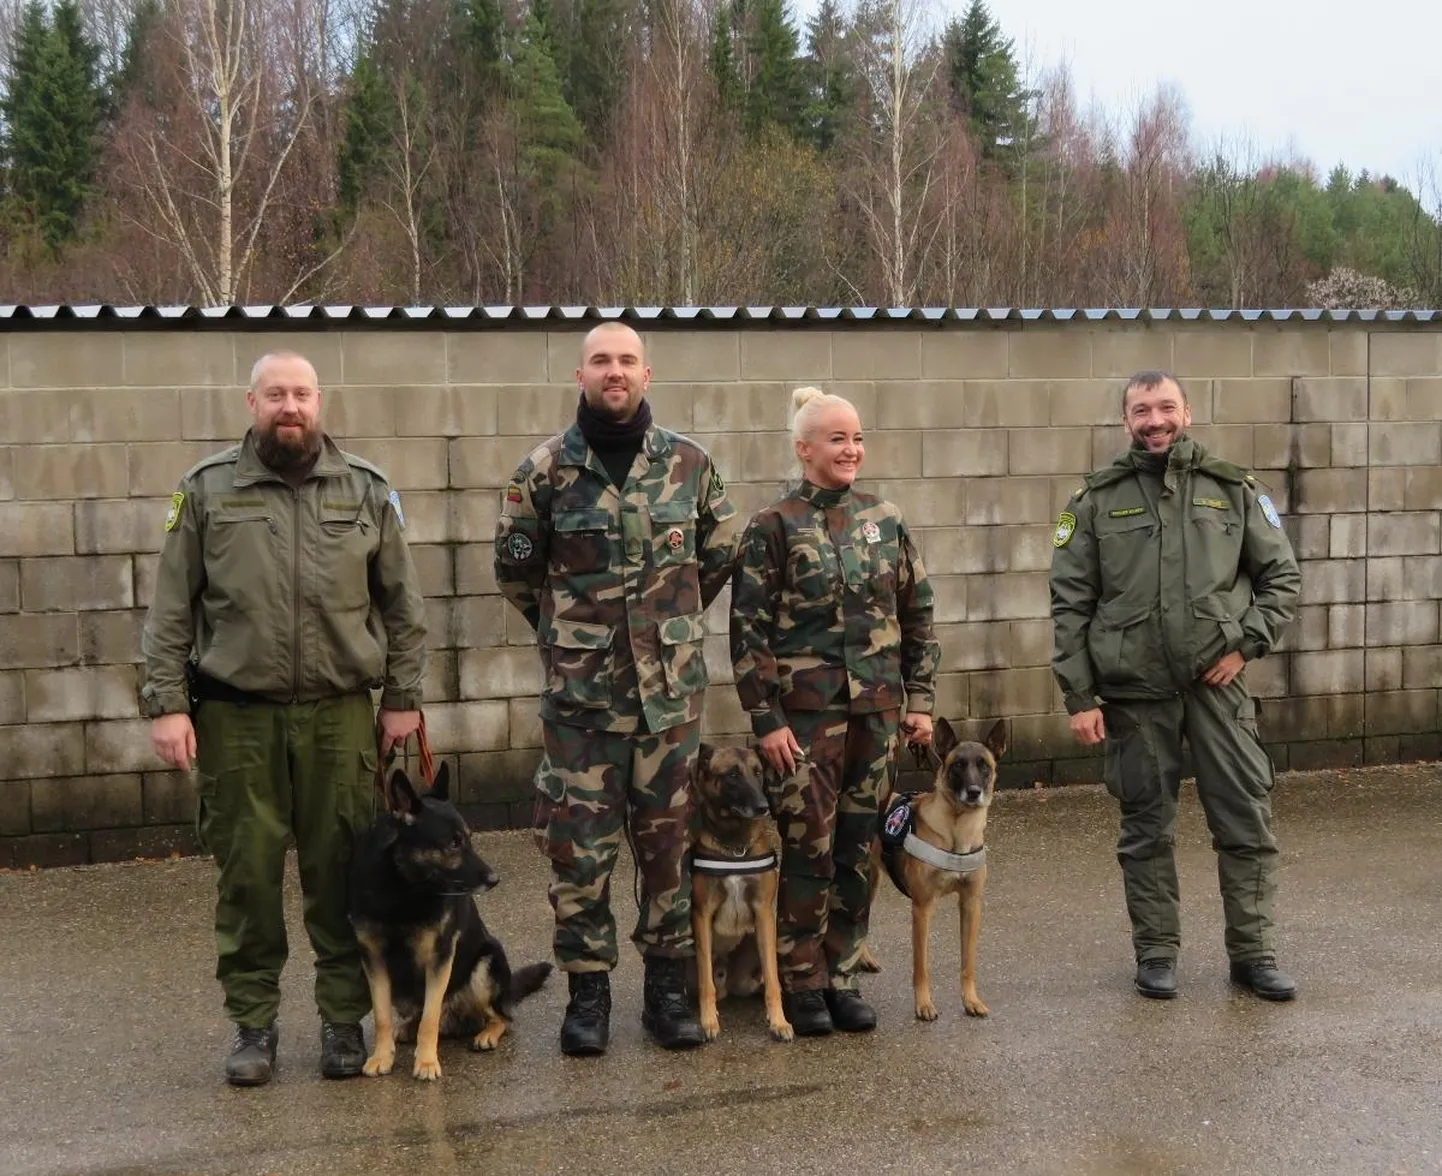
641,152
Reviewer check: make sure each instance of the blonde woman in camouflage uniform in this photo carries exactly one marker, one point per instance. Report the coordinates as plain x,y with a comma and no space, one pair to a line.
614,536
831,639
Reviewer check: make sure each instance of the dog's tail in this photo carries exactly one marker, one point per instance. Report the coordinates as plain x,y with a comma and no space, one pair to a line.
529,979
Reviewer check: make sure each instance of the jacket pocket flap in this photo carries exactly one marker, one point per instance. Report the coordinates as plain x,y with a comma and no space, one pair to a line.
678,510
1123,614
1211,608
682,630
580,635
595,519
1109,525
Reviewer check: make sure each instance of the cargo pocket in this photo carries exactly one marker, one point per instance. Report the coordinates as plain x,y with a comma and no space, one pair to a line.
581,542
1124,641
1132,773
548,808
1247,721
578,664
1221,636
682,657
210,826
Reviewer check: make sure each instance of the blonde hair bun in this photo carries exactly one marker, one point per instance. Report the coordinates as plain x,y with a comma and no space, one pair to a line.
804,396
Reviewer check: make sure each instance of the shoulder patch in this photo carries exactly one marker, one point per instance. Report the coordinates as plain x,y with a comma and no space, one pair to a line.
718,487
1065,529
394,498
172,516
513,492
1268,510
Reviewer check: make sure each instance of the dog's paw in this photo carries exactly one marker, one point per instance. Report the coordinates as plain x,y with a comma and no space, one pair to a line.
974,1007
782,1031
378,1063
489,1037
710,1026
426,1069
926,1010
867,962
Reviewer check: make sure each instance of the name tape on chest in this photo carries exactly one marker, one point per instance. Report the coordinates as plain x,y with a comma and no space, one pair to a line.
1126,512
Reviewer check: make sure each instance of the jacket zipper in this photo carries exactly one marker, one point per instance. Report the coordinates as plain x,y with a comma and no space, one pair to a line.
295,595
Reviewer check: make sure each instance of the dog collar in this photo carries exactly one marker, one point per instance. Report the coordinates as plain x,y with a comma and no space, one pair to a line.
952,863
754,864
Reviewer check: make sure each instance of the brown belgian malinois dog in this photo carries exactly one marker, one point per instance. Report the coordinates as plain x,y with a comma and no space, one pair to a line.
735,865
932,844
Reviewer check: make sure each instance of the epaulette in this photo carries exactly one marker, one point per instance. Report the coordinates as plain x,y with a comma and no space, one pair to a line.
1226,471
1106,476
360,463
225,455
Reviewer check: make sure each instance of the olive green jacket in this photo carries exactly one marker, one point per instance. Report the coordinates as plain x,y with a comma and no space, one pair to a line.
614,582
1153,580
293,594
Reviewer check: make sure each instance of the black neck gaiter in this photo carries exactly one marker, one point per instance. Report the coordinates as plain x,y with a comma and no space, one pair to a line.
616,442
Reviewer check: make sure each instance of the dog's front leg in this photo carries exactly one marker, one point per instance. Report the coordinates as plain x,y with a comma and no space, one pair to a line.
428,1034
378,978
920,973
867,961
705,972
765,916
970,930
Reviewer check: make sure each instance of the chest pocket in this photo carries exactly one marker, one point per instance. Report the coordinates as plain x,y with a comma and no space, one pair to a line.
673,532
582,540
347,541
813,565
239,540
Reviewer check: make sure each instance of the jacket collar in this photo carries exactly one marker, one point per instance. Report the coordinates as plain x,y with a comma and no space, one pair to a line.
249,469
576,452
820,496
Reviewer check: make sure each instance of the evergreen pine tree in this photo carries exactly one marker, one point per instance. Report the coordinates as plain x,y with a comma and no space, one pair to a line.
723,58
830,76
370,114
774,95
981,74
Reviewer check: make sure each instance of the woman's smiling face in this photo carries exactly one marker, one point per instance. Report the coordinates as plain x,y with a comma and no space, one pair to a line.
833,449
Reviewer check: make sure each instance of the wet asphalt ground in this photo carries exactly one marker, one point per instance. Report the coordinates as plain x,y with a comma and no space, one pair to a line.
113,1036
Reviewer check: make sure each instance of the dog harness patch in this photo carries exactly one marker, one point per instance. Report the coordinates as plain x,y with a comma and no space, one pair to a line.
754,864
1268,510
1065,529
172,516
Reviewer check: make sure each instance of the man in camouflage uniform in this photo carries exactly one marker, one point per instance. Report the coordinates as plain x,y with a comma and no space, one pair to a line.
614,537
1170,572
285,593
831,642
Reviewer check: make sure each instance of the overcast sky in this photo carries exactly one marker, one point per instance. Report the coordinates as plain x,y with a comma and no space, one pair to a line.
1356,83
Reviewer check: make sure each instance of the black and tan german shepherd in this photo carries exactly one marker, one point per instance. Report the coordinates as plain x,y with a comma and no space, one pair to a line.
425,950
733,890
951,818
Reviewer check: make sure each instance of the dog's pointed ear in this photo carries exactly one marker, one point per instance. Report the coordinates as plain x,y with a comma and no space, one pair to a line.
441,787
996,739
943,740
703,759
403,794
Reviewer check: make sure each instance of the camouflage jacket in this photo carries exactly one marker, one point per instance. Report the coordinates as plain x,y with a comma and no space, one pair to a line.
292,593
614,582
830,601
1155,577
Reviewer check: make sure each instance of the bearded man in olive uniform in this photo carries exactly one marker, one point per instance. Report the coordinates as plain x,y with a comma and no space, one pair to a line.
1170,573
614,537
285,594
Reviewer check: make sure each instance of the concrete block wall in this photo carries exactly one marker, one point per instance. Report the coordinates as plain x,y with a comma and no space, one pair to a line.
978,432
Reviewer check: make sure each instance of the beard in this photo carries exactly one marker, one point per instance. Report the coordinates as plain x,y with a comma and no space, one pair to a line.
604,411
286,456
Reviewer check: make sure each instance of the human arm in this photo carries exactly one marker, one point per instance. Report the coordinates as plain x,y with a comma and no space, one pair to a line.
523,531
715,538
755,601
1075,590
395,589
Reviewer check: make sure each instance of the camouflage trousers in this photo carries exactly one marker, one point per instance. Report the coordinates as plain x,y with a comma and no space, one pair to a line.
826,814
592,788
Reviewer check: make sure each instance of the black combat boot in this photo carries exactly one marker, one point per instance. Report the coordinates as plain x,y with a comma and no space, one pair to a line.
252,1056
667,1013
1263,977
1157,979
849,1011
587,1027
342,1049
808,1012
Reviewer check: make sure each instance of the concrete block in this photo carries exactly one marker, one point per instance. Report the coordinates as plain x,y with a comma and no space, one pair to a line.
964,452
1327,672
1327,491
480,624
982,645
1421,668
1031,548
1308,631
122,745
1403,622
155,469
145,570
1085,402
68,359
30,641
923,404
950,598
1346,626
1349,445
1422,577
71,583
1424,398
1267,678
484,461
716,653
67,805
125,414
1401,711
1387,398
38,418
1049,351
112,526
1405,444
1415,352
9,585
475,569
1007,596
534,410
466,410
321,348
1006,403
7,474
923,502
1421,488
396,357
1212,351
51,473
1339,581
409,463
88,692
525,723
1384,669
953,696
1387,489
214,414
111,638
1384,579
350,412
1010,500
1348,536
722,408
1233,443
509,356
1257,401
498,777
893,454
1309,535
442,681
672,405
166,358
46,850
14,809
1291,351
1121,352
12,697
1346,715
1403,533
883,354
509,672
428,517
1298,719
471,515
434,568
1330,400
1031,642
1107,442
799,355
964,354
1004,693
563,355
42,749
37,528
1048,451
167,798
1348,351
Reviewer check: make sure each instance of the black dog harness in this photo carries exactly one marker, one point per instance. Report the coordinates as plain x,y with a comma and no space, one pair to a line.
725,867
896,824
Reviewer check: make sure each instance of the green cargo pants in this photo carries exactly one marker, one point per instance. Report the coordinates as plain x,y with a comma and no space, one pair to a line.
592,788
266,773
1234,783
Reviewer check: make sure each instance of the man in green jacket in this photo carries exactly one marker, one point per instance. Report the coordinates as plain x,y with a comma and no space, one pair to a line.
285,594
614,537
1170,572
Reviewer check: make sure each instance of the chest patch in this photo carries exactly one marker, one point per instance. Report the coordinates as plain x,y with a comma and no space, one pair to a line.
675,538
1213,503
871,532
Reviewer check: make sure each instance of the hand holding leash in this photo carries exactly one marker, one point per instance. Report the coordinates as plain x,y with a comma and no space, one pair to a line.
396,727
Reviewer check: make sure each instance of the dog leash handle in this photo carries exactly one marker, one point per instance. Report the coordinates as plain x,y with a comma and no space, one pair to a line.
423,754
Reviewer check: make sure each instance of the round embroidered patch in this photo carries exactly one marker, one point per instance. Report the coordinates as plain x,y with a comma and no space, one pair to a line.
1065,529
897,818
519,547
675,538
870,532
